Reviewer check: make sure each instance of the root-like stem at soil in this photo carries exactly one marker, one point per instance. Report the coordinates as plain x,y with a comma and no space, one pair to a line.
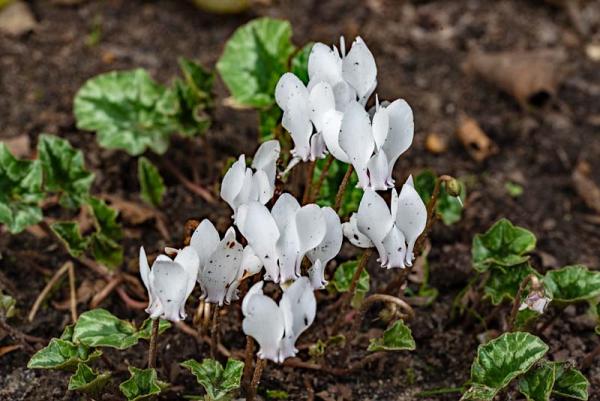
153,343
214,332
260,365
248,359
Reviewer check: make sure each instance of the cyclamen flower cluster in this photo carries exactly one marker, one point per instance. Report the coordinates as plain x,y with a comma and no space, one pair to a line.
328,115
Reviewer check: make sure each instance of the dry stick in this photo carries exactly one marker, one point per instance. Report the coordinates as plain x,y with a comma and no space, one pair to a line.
153,344
316,190
73,293
248,358
17,335
342,189
260,365
535,285
103,294
308,185
191,186
214,332
47,289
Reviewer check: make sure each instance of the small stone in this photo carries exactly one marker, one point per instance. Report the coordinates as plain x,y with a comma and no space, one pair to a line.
435,143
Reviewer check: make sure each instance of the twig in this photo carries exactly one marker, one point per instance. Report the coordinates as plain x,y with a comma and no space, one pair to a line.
194,333
339,196
308,185
248,359
17,335
191,186
73,292
316,190
535,285
129,302
153,343
47,289
214,332
260,365
310,391
105,292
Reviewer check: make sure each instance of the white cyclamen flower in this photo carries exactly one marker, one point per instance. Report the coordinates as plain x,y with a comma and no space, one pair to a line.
536,301
222,263
277,327
169,283
392,231
241,185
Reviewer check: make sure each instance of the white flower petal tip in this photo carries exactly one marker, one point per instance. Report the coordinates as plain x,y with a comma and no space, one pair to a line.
536,301
316,274
411,218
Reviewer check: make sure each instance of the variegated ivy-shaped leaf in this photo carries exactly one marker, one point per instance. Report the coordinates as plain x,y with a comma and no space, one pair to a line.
20,191
68,232
219,384
104,242
398,337
62,354
128,110
500,361
64,170
570,383
504,284
7,306
253,60
449,208
142,385
502,245
343,277
87,380
572,283
536,385
152,186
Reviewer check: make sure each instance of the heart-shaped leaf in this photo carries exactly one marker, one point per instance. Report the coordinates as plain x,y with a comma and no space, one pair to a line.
194,95
62,354
20,191
127,110
343,277
536,385
100,328
254,58
398,337
68,232
572,283
104,243
449,208
502,245
570,383
152,186
503,284
142,385
64,170
219,383
503,359
88,380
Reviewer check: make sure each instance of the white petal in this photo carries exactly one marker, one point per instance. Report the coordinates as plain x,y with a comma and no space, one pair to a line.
190,261
332,242
296,121
299,308
145,273
395,249
233,181
357,141
400,135
248,192
312,227
381,127
411,218
410,181
265,159
325,63
263,188
204,240
321,101
332,124
255,289
316,274
265,323
288,248
289,90
169,281
260,230
374,219
284,210
251,263
359,69
356,238
378,171
344,95
318,150
394,202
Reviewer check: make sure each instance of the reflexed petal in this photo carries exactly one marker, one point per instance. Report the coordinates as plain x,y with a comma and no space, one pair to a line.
381,127
411,218
263,320
288,248
265,159
262,186
401,132
374,219
359,69
332,123
251,263
255,289
395,249
190,261
204,240
284,210
344,95
289,90
378,171
394,202
248,191
169,280
233,181
321,101
260,230
299,308
318,150
332,242
297,122
356,140
145,273
316,274
311,227
410,181
356,238
325,63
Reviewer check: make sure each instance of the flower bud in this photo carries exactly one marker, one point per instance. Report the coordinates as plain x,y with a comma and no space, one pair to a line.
453,187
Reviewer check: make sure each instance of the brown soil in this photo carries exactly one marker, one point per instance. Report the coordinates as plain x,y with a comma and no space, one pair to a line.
419,47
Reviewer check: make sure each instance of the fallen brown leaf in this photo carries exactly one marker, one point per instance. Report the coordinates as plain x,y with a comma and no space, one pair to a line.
19,146
585,186
9,348
475,141
16,19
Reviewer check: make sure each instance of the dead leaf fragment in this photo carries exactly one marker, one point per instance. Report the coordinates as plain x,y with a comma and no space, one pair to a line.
19,146
531,77
476,142
17,19
585,186
435,143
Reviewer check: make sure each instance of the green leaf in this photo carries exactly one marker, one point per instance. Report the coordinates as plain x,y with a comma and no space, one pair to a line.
503,284
514,190
64,170
20,191
277,395
62,354
570,383
331,184
343,277
254,59
479,392
194,96
100,328
7,305
68,232
536,385
105,250
503,245
219,383
449,208
398,337
268,121
503,359
145,330
152,185
572,283
300,62
524,319
142,385
127,111
104,242
87,380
